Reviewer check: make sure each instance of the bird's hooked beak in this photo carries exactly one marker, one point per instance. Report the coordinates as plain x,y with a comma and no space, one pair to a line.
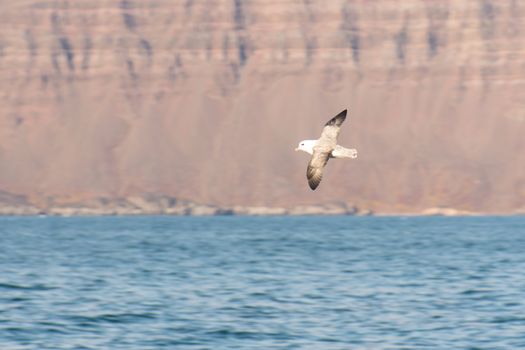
297,149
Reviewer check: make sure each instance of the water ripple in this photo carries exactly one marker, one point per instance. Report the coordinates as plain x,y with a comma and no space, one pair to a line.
36,287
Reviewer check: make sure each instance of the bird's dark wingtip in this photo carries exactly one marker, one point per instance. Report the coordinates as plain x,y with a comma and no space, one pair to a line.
342,114
313,184
338,119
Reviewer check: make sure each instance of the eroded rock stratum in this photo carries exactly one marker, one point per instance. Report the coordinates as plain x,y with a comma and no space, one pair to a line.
206,100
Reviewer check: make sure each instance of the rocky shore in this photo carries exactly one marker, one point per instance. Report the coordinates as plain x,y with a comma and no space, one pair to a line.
19,205
158,205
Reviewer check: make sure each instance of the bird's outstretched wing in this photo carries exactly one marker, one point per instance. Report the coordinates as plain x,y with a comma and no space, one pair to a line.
314,172
323,149
332,127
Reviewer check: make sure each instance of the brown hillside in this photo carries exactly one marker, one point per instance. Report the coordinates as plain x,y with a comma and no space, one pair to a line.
206,100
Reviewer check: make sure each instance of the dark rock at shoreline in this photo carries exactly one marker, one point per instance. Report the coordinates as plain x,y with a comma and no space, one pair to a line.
11,204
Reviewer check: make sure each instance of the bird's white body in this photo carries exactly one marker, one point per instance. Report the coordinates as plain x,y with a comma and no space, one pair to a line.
338,152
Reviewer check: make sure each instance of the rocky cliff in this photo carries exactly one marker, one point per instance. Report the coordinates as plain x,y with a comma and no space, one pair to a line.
206,101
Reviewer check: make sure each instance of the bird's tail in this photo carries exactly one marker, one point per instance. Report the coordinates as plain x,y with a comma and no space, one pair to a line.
342,152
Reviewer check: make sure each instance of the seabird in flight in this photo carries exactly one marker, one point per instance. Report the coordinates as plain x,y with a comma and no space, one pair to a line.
324,148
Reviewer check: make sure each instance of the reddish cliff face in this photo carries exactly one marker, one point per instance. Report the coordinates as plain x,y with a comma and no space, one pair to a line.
206,100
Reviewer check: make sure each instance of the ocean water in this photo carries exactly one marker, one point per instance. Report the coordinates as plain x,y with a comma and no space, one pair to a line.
262,283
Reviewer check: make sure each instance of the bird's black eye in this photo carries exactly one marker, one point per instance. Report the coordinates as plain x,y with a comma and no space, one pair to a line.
302,144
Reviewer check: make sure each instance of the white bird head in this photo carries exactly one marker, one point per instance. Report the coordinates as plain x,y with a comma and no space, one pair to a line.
306,146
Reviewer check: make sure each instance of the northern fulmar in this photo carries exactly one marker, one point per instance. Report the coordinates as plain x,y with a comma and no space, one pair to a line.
324,148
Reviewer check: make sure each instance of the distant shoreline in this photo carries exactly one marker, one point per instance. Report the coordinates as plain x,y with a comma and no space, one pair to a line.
152,204
189,209
210,210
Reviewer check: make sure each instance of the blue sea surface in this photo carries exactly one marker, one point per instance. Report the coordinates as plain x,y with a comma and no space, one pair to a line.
262,283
